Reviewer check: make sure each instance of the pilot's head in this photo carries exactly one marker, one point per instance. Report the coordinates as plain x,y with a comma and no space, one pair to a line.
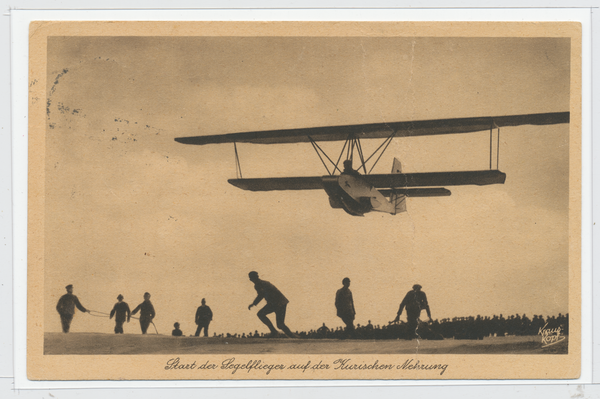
348,164
253,276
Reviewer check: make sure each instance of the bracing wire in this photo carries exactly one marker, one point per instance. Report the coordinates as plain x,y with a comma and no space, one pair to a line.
316,146
348,149
319,154
360,154
382,144
108,315
341,153
389,140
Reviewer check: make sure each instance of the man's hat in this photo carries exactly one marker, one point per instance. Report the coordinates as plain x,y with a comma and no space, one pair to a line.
146,293
69,286
120,296
252,274
417,287
176,325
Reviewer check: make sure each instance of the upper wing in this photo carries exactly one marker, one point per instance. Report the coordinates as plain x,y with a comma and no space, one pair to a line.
395,180
380,130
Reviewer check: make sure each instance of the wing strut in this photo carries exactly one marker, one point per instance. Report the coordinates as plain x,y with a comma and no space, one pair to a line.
350,152
497,145
238,166
491,133
352,142
498,151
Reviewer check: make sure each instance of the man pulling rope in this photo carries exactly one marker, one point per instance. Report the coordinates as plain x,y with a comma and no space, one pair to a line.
102,314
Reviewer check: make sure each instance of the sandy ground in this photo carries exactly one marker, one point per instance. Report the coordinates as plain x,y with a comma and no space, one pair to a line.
135,344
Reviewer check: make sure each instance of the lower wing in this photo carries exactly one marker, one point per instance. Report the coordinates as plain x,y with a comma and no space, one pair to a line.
396,180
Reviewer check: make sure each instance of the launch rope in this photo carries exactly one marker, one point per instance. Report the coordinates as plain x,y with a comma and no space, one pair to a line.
95,315
102,314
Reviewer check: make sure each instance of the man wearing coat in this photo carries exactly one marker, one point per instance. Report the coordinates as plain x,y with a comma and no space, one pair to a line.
66,308
121,312
147,313
276,303
203,318
414,301
344,304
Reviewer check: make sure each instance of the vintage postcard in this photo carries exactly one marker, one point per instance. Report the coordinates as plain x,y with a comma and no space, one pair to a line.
304,200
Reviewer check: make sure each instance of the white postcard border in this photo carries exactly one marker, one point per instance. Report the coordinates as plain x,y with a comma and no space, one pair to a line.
19,30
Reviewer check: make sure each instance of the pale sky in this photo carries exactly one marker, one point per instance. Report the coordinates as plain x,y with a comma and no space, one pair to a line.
129,210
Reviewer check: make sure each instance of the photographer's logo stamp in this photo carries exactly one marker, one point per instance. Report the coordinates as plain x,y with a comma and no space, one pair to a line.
551,336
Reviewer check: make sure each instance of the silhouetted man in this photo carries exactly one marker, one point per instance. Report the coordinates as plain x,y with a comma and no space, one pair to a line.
344,305
276,303
203,318
147,313
66,308
121,312
414,302
348,169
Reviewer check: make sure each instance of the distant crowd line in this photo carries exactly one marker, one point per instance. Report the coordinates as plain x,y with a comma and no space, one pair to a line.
414,302
456,328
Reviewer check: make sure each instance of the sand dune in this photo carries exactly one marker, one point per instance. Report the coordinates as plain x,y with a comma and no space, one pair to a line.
135,344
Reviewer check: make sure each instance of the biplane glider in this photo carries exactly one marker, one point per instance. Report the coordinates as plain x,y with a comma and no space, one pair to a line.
358,193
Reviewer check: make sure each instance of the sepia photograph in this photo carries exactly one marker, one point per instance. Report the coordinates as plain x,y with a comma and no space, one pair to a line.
304,200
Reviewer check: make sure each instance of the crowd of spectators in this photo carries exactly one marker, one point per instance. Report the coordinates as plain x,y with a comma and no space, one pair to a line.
499,326
456,328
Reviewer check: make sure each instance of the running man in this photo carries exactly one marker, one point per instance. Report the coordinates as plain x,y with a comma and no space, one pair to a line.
276,303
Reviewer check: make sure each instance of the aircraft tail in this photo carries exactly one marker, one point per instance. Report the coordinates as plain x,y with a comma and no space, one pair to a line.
399,202
396,166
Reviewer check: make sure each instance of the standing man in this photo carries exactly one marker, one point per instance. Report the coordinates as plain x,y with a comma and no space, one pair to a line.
147,313
276,302
344,305
203,318
121,309
66,308
414,302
